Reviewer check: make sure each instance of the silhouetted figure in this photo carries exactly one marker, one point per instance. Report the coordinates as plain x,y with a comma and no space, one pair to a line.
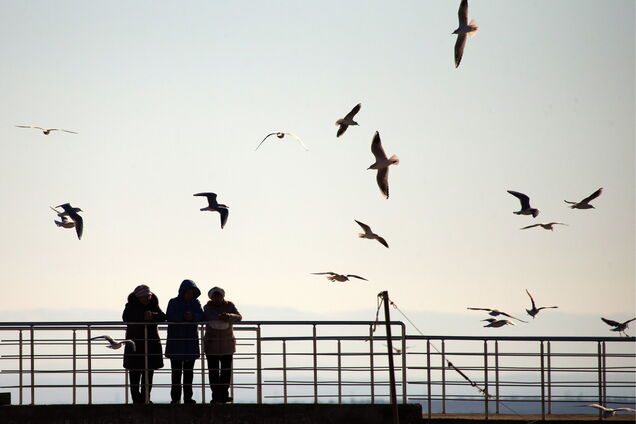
182,345
142,306
220,343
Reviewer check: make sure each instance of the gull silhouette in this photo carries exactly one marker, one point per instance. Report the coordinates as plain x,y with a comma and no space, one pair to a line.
69,212
46,131
382,163
370,234
619,326
534,311
526,209
115,344
585,203
345,122
332,276
214,206
463,30
495,313
280,135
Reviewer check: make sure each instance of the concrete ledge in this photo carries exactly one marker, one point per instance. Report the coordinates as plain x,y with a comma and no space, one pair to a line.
208,414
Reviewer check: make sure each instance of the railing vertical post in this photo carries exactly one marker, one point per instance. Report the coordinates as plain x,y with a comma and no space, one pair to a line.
74,366
32,345
372,374
20,369
549,371
542,383
604,346
428,379
284,371
126,386
259,375
315,363
497,377
146,373
600,378
89,365
203,362
443,377
486,380
339,373
404,379
389,347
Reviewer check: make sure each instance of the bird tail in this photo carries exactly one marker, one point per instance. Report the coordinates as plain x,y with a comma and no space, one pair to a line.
361,235
473,24
394,160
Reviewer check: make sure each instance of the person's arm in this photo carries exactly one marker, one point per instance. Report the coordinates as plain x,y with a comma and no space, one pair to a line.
132,314
233,315
172,313
158,315
197,313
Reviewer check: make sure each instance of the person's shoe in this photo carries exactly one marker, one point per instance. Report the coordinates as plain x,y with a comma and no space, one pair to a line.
189,401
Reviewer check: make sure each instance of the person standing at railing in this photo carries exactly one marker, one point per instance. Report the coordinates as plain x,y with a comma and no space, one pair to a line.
182,345
142,306
219,343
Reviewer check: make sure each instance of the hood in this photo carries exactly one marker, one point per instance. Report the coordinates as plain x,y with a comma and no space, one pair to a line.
189,284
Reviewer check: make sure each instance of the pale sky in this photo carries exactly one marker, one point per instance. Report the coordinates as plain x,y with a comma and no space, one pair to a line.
171,98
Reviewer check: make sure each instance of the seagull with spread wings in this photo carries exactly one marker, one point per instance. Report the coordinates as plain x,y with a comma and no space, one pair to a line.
496,323
370,234
332,276
214,206
496,312
465,28
609,412
69,212
344,123
382,163
585,203
548,226
526,209
280,135
619,326
534,311
113,344
46,131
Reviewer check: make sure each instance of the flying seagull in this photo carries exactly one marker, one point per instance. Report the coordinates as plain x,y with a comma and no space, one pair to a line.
619,326
344,123
69,212
281,134
114,344
496,323
370,234
65,222
382,164
496,312
463,30
585,203
46,131
214,206
609,412
534,311
332,276
526,209
547,226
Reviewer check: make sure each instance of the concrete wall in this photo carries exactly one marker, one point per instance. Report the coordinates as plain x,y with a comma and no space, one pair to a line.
208,414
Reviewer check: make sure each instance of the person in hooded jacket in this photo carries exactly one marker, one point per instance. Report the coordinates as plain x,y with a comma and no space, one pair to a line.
182,346
220,343
142,306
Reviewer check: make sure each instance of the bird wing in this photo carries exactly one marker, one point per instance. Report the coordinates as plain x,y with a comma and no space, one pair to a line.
555,223
353,112
596,405
548,307
28,126
341,130
459,48
382,242
224,214
462,13
480,309
130,343
66,206
525,200
627,322
383,181
625,409
62,129
592,196
79,224
531,299
365,227
376,147
357,276
530,226
297,138
510,316
266,137
610,322
324,273
211,198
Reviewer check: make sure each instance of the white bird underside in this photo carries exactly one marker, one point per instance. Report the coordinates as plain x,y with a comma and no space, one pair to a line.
113,344
280,135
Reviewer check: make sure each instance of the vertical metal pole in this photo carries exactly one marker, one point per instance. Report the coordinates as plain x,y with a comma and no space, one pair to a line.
74,366
315,358
372,374
284,371
389,343
259,384
604,374
20,369
404,380
146,382
203,362
600,378
443,377
428,379
32,344
549,379
496,377
486,380
542,384
89,365
339,374
126,386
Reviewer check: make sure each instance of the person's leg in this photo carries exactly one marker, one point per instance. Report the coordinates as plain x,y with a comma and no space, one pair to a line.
175,389
213,369
143,384
225,377
135,376
188,376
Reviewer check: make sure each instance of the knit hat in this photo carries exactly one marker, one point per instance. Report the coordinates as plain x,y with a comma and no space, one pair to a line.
141,290
214,290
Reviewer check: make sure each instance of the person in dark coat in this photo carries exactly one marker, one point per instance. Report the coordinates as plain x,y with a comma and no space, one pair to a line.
182,346
219,342
142,306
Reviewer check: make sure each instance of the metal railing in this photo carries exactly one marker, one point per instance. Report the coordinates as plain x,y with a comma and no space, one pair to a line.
335,361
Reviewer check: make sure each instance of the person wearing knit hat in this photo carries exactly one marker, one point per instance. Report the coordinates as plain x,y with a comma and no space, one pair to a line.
142,306
219,343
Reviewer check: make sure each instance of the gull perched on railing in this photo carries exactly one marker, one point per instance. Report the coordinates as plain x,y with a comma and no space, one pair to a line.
534,311
609,412
585,203
71,213
619,326
332,276
281,134
463,30
115,344
214,206
526,209
46,131
496,323
370,234
496,312
344,123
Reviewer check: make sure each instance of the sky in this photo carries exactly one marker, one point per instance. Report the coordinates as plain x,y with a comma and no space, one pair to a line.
171,98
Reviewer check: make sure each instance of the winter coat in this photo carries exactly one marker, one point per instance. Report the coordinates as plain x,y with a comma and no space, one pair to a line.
183,339
134,312
219,340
